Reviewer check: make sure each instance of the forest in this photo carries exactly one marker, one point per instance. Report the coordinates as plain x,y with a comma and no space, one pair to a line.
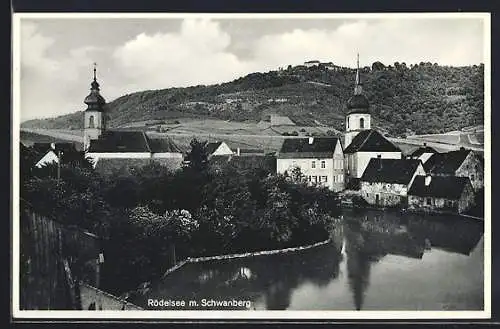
404,99
200,210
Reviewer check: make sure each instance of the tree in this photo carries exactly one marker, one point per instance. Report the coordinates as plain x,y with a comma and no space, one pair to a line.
197,158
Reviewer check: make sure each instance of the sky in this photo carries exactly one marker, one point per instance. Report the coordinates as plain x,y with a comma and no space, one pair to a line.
135,54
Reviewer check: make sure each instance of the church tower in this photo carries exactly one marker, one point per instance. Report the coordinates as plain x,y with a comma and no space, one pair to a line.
94,116
358,115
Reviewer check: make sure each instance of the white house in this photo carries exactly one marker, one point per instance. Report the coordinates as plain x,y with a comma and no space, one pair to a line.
320,159
218,148
423,153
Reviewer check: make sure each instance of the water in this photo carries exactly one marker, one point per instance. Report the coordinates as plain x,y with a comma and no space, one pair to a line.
377,261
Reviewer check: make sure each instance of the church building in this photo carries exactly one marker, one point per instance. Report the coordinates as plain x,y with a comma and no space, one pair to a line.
119,147
363,143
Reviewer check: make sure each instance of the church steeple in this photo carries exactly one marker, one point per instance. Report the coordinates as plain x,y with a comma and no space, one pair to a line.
94,116
358,89
94,101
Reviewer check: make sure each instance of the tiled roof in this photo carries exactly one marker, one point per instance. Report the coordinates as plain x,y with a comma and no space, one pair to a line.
245,162
421,150
370,141
113,141
446,163
163,145
396,171
449,187
302,148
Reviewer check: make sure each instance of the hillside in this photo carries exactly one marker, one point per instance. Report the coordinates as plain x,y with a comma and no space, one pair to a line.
417,99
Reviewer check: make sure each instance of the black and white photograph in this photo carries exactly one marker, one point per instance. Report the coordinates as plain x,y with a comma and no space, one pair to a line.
251,166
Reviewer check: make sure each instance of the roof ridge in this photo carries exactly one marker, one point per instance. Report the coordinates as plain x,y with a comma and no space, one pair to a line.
146,139
368,136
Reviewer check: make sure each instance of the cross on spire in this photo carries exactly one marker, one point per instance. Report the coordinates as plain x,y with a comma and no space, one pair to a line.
95,69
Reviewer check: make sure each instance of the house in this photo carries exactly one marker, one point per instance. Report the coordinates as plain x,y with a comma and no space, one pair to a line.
311,63
385,182
449,194
50,153
114,146
102,143
460,163
423,153
218,148
362,143
320,159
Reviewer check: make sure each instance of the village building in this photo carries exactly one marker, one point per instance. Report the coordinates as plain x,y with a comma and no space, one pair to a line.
449,194
361,142
117,146
52,153
320,160
311,63
423,153
459,163
218,148
385,182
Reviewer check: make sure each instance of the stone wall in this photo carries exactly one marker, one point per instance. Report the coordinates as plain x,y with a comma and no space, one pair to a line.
389,195
95,299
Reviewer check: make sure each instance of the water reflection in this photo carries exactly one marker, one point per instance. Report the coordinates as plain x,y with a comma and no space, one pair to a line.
276,282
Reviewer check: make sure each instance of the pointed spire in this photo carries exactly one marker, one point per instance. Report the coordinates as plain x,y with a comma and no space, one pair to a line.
95,69
357,88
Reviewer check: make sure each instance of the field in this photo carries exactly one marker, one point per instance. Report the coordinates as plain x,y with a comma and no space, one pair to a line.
261,135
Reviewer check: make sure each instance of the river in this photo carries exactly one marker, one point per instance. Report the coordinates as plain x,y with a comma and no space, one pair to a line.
376,261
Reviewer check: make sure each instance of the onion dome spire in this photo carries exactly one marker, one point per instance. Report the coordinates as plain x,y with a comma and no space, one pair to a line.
94,100
358,103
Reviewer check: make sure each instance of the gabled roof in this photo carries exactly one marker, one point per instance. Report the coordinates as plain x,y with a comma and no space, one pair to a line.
113,141
396,171
304,148
448,187
370,141
163,145
446,163
421,150
212,147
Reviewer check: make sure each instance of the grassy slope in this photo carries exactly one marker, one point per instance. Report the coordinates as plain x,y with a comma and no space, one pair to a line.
422,99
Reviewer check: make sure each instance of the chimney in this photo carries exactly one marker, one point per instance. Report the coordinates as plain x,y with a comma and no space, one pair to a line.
53,146
427,180
238,151
379,157
311,140
462,148
425,144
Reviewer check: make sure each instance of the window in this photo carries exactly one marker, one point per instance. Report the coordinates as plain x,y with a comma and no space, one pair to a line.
472,177
325,179
309,178
347,123
428,201
340,179
323,164
315,179
91,122
361,123
313,164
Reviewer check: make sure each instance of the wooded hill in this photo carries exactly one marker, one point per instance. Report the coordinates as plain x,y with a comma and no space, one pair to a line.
421,98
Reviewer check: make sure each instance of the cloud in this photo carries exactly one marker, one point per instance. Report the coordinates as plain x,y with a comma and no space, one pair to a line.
55,79
197,54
